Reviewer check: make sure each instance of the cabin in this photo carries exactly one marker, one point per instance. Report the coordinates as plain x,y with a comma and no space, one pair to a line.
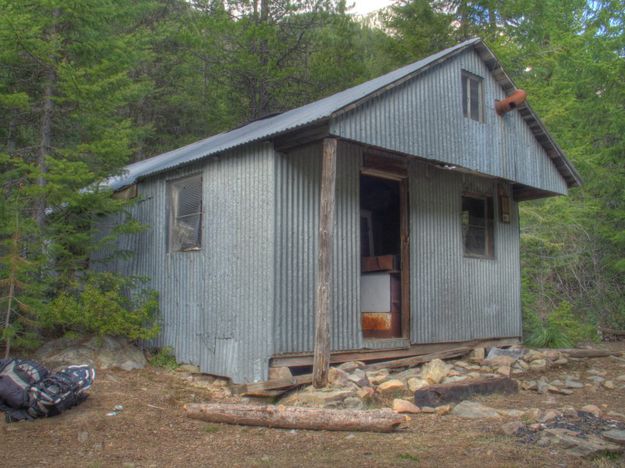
385,215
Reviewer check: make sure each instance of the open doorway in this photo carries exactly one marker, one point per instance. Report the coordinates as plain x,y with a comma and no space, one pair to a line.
383,246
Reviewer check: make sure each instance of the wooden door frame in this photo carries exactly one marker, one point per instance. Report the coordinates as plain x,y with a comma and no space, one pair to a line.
396,169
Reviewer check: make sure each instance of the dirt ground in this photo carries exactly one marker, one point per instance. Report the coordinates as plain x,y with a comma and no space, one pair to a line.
152,431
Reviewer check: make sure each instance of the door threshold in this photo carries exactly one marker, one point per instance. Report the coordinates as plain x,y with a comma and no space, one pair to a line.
386,343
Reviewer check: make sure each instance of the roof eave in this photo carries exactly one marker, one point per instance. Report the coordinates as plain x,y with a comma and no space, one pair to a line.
542,135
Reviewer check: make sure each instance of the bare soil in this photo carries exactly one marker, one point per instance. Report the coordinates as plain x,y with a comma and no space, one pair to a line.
153,431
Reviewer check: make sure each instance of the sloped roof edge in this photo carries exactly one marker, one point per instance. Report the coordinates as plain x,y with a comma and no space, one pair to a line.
331,106
562,163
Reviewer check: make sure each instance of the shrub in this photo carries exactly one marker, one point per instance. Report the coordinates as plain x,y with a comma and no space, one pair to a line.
561,329
165,358
106,304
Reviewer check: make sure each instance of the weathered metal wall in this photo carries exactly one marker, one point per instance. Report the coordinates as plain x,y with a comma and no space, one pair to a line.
297,224
216,303
423,117
453,297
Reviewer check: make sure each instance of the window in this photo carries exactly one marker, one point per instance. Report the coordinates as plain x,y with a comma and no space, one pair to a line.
477,226
185,214
472,97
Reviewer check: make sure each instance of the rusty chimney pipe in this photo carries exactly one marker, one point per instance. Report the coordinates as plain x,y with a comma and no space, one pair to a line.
511,102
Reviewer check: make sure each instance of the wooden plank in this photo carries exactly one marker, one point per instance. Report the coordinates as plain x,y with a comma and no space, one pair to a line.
276,384
321,355
286,417
416,360
305,359
378,263
300,137
436,395
127,193
404,235
386,164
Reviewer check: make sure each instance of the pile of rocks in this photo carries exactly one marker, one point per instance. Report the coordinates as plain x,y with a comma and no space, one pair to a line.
583,433
567,383
352,385
106,352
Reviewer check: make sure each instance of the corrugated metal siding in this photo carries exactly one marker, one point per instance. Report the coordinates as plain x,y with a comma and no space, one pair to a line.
454,298
217,303
423,117
265,128
297,225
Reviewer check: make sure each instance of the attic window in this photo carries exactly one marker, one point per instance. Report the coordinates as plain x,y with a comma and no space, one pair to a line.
472,96
477,226
185,214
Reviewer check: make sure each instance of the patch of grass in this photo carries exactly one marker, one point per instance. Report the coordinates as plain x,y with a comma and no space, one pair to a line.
608,460
408,457
211,428
164,358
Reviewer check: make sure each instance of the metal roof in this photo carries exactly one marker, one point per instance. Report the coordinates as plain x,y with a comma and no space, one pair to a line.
317,111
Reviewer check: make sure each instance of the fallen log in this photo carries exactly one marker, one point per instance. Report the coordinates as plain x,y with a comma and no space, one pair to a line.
417,360
610,331
287,417
589,353
437,395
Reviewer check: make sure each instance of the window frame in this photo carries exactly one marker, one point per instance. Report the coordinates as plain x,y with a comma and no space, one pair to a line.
466,95
173,218
489,230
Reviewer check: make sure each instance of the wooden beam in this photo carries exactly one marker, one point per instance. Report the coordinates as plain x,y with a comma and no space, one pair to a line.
321,355
416,360
404,219
368,355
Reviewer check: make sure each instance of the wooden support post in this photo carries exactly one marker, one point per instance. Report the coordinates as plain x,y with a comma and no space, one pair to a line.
321,357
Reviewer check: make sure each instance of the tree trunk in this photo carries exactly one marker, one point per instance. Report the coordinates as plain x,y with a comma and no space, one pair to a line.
321,357
11,137
13,252
296,418
45,134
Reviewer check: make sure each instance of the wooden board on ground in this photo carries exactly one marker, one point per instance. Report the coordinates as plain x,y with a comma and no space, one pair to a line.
416,360
436,395
286,417
337,357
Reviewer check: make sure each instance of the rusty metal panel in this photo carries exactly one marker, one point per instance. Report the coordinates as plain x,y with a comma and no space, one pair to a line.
454,297
297,224
423,117
216,303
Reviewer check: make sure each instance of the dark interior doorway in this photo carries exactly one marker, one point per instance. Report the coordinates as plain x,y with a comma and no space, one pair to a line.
381,253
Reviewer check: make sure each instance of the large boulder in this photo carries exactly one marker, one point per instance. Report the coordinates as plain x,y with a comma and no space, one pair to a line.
102,352
435,371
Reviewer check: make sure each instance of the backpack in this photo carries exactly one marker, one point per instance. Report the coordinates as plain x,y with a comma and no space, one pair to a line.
16,377
60,391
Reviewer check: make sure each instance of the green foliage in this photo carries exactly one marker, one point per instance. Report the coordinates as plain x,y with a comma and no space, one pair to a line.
106,304
88,86
408,457
211,428
165,358
561,329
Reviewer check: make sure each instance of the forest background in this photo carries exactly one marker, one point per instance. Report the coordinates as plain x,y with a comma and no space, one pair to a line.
87,86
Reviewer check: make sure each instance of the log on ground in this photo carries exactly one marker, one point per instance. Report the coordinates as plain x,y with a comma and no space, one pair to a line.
286,417
436,395
589,353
